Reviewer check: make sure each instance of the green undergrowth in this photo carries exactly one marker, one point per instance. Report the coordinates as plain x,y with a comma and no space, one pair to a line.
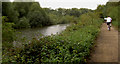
115,24
72,45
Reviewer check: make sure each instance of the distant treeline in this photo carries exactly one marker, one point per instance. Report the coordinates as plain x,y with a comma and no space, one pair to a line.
30,14
62,15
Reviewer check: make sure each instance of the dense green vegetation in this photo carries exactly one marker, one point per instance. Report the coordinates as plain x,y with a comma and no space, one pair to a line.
7,30
25,14
113,8
30,14
63,16
18,15
72,45
110,9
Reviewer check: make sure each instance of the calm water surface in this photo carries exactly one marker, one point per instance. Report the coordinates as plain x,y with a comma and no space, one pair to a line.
37,32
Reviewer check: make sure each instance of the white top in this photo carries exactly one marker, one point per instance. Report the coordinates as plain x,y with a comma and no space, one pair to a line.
108,19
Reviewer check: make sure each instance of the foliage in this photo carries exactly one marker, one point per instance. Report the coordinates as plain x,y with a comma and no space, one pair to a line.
67,19
25,14
63,16
37,16
101,11
22,8
8,10
111,9
23,23
8,35
72,45
7,30
73,12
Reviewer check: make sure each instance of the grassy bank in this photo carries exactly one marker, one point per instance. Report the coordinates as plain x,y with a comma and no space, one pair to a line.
72,45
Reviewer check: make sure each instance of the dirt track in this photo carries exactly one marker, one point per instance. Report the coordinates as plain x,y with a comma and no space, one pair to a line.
106,49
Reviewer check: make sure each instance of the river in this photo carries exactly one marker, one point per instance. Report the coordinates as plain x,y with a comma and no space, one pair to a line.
30,33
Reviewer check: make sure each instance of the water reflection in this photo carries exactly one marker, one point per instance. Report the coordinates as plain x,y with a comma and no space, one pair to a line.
45,31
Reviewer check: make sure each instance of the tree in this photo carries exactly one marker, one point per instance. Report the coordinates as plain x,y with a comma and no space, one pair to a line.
22,8
23,23
7,30
8,10
37,16
101,10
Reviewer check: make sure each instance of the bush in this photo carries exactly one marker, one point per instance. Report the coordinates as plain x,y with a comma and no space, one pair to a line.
66,19
8,35
23,23
7,30
72,45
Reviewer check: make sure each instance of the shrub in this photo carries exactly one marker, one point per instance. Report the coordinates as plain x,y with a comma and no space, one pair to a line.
72,45
23,23
7,30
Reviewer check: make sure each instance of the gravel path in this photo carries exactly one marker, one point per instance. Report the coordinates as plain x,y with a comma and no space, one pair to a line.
106,49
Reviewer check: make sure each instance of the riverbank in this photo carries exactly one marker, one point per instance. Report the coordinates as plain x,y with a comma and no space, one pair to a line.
72,45
24,36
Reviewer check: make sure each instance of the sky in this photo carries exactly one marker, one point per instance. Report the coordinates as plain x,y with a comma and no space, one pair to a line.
54,4
90,4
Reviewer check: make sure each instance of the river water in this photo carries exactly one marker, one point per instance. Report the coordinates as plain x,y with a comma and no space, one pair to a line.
28,34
